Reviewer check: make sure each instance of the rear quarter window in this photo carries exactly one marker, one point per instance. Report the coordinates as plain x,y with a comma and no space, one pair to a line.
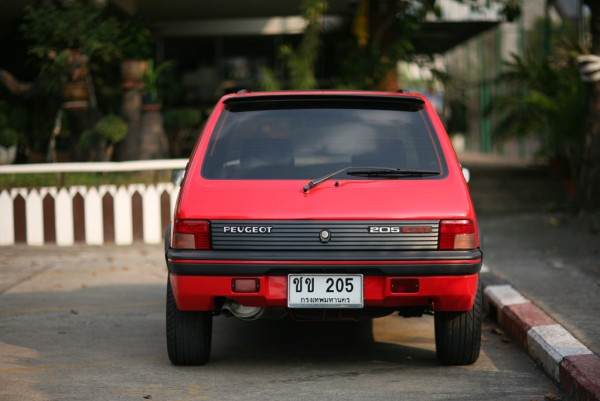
304,139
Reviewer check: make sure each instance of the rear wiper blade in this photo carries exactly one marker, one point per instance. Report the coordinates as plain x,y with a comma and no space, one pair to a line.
391,172
370,172
317,181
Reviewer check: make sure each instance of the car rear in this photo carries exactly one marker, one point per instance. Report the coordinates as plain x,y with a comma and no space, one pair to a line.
323,205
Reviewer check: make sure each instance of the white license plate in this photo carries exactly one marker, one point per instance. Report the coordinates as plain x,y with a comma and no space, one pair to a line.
325,291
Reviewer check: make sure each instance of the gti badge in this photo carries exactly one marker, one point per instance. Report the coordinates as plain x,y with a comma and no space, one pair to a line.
324,236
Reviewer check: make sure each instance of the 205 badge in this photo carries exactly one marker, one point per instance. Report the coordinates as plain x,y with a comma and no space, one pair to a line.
399,229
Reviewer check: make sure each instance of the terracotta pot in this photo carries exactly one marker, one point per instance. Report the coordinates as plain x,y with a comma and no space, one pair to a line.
75,91
132,73
152,107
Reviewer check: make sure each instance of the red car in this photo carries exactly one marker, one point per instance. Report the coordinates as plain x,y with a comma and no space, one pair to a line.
318,206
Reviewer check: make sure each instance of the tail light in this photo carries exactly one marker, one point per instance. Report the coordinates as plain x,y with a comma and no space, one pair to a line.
457,234
191,234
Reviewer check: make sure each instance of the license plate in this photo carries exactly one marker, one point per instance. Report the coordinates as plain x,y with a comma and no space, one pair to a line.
325,291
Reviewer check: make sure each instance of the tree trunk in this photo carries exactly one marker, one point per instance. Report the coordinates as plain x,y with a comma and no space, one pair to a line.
589,191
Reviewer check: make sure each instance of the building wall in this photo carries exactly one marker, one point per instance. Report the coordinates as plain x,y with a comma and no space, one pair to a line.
478,62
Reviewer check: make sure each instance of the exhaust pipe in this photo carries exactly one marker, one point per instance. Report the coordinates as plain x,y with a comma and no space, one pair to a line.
242,312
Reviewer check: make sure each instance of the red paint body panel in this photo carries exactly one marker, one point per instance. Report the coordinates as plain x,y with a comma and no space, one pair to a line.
351,200
442,293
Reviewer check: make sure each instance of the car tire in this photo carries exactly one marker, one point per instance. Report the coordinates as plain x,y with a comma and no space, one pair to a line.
189,334
458,334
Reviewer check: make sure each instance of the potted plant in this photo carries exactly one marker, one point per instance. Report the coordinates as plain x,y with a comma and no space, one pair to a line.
102,138
152,75
70,40
135,44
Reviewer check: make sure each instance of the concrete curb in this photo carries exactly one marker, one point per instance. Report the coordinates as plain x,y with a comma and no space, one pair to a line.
562,356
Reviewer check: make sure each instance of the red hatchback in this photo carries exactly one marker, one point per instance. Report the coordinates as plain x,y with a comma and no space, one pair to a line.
319,206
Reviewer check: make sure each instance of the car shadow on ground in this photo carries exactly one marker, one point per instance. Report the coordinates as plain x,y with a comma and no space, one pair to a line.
125,321
276,341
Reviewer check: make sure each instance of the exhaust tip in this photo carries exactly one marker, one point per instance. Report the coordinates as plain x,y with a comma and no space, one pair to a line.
241,311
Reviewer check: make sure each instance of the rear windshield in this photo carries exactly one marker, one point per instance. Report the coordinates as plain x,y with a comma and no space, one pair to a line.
308,139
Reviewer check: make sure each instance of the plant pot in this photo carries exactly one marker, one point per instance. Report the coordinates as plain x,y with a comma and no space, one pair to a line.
151,107
76,91
132,73
8,155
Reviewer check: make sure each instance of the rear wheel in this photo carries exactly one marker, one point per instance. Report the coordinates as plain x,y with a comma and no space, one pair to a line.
189,334
458,334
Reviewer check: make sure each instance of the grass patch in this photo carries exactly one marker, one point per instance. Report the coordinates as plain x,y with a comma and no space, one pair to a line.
34,180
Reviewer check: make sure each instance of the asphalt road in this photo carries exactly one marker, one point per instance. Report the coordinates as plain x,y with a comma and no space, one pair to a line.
535,241
557,266
88,324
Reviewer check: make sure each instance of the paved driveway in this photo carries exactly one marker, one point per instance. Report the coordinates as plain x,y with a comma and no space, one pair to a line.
88,324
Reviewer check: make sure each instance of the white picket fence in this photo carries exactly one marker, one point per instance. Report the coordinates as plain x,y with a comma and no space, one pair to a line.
88,215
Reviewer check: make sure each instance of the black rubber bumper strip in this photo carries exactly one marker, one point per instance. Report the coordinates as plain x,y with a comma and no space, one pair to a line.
413,263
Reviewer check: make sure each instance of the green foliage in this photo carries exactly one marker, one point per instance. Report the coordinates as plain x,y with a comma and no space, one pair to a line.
367,70
13,122
77,25
544,96
372,56
269,81
18,116
547,99
300,62
8,137
69,39
33,180
182,127
455,97
111,128
3,115
88,139
178,119
368,65
151,79
135,40
100,140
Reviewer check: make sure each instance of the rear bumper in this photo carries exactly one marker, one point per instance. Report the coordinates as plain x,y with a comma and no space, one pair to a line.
447,279
441,293
387,263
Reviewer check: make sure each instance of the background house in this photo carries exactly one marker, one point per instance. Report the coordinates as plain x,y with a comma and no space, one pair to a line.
222,46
